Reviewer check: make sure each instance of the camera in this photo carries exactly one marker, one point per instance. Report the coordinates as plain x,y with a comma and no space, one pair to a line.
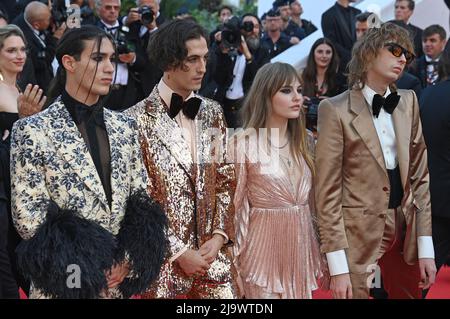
231,34
311,114
59,13
247,26
86,12
147,15
122,43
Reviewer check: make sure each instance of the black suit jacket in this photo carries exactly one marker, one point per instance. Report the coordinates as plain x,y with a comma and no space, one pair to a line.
9,7
341,32
146,73
416,36
410,82
308,27
435,116
224,66
41,57
419,69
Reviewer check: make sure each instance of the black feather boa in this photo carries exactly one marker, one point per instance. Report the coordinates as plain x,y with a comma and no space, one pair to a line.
143,236
66,238
63,239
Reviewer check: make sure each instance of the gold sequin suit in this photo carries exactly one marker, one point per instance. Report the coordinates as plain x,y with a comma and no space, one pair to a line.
196,195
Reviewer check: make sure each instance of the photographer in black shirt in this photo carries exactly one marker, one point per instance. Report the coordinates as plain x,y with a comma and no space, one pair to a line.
239,55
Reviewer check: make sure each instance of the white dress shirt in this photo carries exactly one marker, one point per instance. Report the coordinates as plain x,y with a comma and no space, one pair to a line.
236,90
122,69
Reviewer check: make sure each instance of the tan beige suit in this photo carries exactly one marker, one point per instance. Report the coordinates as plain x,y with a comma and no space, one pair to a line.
352,185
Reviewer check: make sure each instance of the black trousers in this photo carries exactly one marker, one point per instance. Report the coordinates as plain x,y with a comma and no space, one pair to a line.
441,239
441,242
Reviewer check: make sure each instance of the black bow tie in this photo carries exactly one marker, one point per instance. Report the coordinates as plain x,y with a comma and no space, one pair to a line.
190,107
42,35
432,63
389,103
82,113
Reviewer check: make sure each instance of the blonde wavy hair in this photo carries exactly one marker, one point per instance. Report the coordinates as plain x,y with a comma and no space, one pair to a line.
257,107
367,48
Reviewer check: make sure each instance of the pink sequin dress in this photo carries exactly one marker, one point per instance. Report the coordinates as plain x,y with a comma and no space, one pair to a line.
277,246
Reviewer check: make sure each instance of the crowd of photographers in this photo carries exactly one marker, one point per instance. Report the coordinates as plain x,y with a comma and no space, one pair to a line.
238,47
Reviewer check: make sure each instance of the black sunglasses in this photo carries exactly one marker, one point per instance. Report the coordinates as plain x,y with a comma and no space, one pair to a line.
398,50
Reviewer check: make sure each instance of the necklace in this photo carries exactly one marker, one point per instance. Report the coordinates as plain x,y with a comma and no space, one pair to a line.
278,147
288,161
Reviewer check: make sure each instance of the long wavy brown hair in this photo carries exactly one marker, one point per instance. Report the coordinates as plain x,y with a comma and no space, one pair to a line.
309,75
367,48
257,107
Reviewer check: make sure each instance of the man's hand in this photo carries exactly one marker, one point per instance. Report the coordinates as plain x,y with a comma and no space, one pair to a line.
31,101
133,16
127,57
341,286
244,49
192,262
294,40
218,36
58,32
427,268
210,248
117,274
5,135
151,26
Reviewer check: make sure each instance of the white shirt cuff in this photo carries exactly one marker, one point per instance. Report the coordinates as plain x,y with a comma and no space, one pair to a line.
178,254
425,246
337,262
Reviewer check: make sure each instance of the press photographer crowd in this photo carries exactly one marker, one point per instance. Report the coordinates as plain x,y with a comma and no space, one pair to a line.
108,167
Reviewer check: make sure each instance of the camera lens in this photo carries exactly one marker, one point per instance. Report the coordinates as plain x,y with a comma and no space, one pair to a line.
147,15
248,26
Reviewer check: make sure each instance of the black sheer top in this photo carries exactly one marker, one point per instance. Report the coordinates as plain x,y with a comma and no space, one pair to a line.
91,124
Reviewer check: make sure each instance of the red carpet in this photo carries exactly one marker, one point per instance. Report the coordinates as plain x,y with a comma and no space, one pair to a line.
440,290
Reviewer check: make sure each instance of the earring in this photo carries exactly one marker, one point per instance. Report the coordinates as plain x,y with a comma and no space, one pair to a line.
1,76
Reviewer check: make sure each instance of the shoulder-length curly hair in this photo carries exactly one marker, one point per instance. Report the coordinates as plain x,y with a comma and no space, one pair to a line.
367,49
167,47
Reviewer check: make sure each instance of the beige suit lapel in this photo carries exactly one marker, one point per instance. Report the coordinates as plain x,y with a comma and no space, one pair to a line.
69,143
363,124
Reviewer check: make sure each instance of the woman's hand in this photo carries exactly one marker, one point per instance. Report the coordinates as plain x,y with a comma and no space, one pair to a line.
31,101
